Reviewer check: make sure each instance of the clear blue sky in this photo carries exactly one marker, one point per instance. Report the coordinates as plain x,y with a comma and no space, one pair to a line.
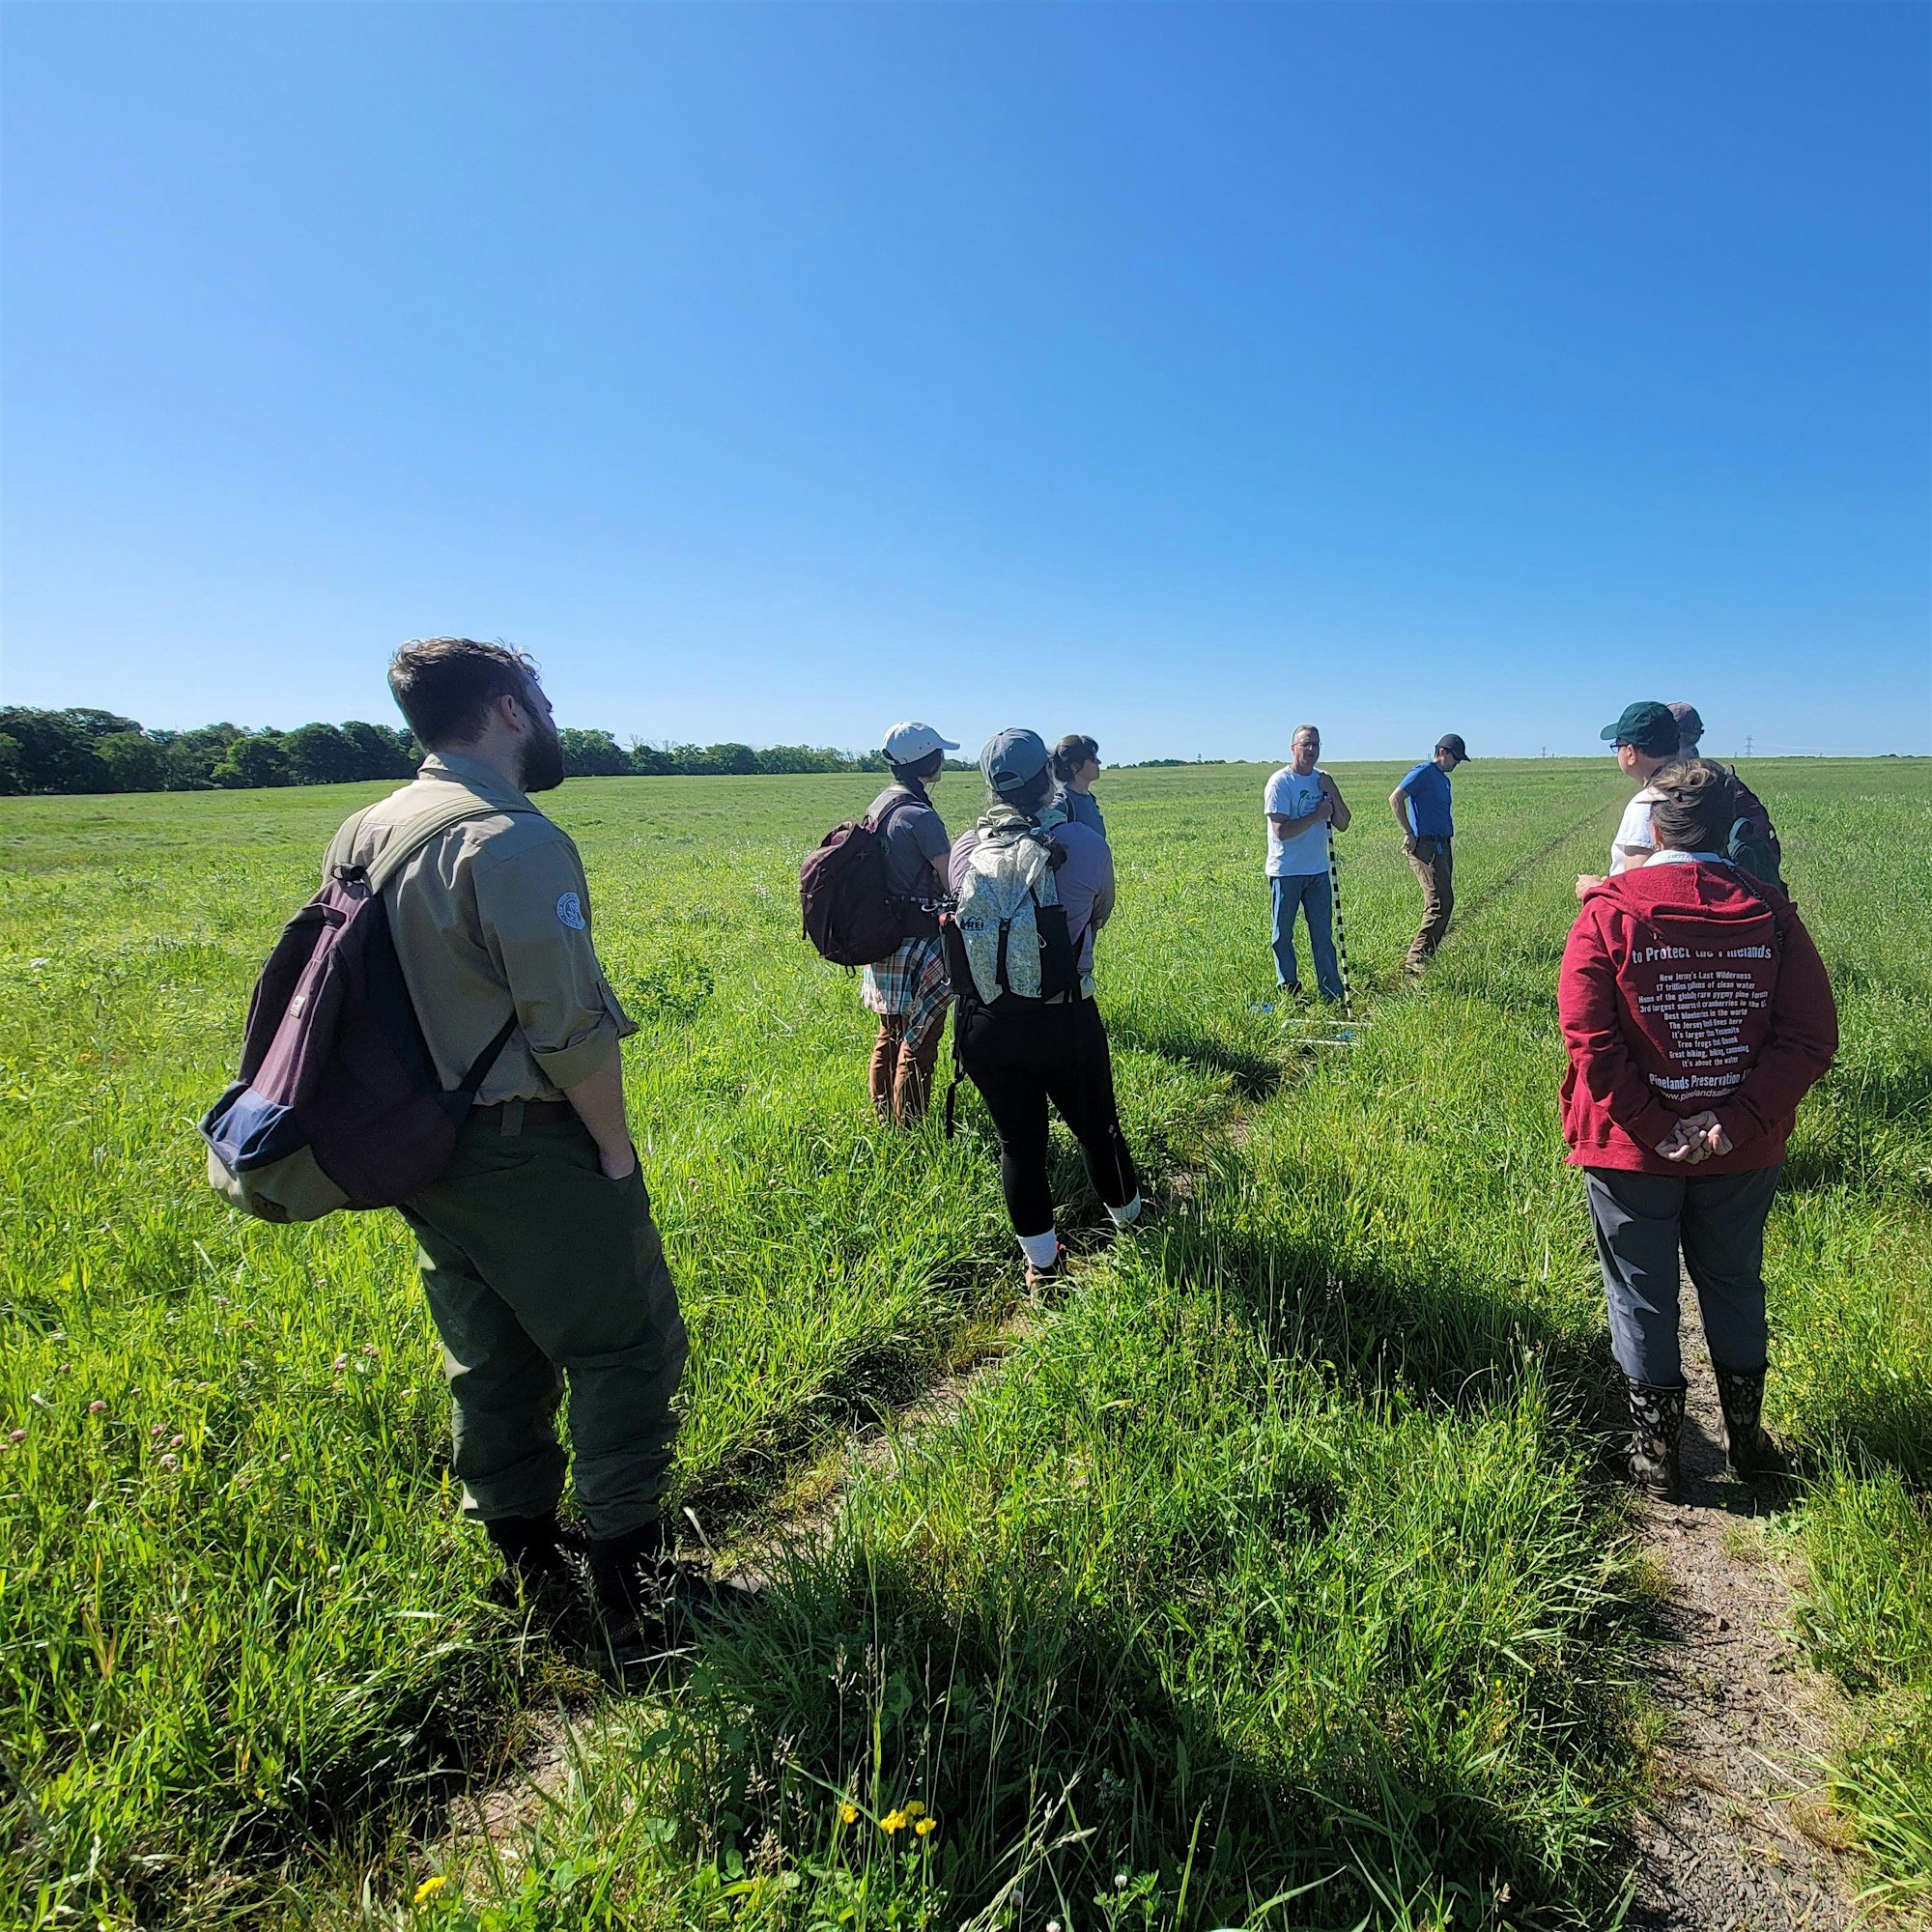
1171,372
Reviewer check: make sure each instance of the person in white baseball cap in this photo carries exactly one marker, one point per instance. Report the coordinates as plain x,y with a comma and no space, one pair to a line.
909,744
909,990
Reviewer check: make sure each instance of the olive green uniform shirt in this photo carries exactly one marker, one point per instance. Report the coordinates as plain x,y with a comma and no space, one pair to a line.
492,913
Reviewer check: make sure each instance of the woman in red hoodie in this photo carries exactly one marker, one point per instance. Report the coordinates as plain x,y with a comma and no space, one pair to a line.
1697,1015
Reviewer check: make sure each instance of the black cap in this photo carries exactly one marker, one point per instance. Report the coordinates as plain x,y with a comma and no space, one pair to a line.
1452,743
1648,727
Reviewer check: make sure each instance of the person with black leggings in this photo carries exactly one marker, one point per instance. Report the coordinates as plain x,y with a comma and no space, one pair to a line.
1025,1053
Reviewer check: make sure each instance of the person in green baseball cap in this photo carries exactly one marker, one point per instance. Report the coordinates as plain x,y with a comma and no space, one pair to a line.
1646,736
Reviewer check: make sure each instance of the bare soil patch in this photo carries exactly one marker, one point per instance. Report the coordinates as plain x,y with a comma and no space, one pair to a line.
1739,1836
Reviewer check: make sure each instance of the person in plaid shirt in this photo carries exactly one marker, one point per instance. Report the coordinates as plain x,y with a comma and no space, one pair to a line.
908,989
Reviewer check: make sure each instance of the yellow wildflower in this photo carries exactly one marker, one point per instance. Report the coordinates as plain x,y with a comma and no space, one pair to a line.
429,1888
848,1813
926,1826
894,1821
915,1809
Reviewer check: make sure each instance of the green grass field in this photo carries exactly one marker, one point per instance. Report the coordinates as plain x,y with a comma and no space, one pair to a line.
1263,1582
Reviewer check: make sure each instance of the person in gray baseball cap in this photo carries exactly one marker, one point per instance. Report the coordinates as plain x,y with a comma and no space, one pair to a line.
908,989
1031,888
1690,727
1754,841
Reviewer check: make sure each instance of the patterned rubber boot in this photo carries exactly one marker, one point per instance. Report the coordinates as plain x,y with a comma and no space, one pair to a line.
1649,1457
1752,1451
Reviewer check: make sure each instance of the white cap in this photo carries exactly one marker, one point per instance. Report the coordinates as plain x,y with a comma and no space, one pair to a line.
906,744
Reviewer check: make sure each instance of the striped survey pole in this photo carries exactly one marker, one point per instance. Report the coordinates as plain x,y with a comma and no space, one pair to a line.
1341,936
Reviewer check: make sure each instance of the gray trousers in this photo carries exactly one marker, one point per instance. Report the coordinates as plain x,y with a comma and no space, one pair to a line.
1642,1221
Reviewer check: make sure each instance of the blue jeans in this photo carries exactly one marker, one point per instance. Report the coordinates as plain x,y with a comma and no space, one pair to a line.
1309,892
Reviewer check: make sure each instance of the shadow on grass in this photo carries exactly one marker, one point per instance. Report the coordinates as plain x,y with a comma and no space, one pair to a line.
1890,1166
874,1378
1255,1074
1023,1712
1432,1329
887,1372
1891,1426
1890,1089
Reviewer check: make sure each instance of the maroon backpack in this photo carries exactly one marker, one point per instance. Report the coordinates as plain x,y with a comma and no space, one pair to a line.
339,1104
850,916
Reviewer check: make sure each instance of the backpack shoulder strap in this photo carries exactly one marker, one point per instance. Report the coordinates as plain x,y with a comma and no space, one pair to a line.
480,1066
1774,900
344,842
408,838
411,835
885,818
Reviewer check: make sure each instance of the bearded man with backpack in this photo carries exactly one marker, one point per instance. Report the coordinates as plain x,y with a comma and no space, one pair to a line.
539,1258
907,989
1031,890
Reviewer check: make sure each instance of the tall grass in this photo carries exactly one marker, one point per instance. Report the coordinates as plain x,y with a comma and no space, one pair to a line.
1264,1566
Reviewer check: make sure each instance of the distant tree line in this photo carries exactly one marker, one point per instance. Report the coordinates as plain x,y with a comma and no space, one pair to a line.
85,750
82,750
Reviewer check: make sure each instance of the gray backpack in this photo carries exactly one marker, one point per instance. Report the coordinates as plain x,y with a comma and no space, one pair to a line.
1006,932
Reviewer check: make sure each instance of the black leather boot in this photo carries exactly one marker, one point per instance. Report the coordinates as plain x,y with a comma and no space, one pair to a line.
646,1599
631,1574
1648,1457
537,1552
1751,1450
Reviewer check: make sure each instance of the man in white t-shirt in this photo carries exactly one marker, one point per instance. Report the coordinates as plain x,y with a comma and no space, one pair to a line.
1303,806
1646,738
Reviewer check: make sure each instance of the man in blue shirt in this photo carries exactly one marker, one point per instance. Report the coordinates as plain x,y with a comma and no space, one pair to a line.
1422,810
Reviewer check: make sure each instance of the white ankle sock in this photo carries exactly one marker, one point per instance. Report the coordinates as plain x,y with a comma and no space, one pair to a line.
1125,1218
1040,1249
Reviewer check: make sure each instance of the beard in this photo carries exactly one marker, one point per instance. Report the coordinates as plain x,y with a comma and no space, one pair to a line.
541,768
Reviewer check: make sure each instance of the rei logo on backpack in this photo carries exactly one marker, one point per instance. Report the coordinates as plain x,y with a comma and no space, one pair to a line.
1005,934
339,1104
850,914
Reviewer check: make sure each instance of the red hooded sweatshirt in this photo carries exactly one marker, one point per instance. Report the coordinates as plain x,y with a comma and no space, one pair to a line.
1683,989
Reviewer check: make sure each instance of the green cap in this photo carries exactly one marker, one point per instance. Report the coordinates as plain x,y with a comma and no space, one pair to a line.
1649,727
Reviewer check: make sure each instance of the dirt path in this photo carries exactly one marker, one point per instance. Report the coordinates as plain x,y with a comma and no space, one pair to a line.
1739,1837
809,1522
547,1741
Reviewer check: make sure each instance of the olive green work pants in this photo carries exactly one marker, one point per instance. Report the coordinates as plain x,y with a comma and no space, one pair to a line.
1434,865
542,1274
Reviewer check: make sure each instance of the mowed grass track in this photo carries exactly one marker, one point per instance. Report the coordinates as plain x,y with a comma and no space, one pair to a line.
1266,1563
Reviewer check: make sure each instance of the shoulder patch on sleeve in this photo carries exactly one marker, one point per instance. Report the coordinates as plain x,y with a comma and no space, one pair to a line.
570,911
